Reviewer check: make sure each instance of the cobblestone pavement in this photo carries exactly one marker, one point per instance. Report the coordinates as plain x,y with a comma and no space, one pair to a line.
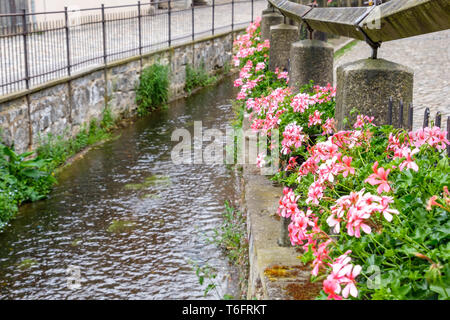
429,56
48,54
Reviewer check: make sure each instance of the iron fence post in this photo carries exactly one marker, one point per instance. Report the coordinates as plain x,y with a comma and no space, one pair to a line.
105,56
426,117
252,9
232,15
66,17
400,114
169,18
437,121
193,21
213,10
140,28
25,48
410,117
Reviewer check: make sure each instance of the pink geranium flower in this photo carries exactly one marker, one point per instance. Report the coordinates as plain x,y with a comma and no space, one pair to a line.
342,273
288,203
409,163
347,166
260,66
315,118
332,288
379,177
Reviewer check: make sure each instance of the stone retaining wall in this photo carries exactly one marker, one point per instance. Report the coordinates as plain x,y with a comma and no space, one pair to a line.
64,106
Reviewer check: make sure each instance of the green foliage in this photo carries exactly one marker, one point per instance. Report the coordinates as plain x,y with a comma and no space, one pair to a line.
108,120
226,67
231,235
60,148
21,179
153,89
30,176
339,53
404,255
208,273
412,251
196,78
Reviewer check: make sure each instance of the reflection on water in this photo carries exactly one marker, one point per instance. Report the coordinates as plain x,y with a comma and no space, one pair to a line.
123,221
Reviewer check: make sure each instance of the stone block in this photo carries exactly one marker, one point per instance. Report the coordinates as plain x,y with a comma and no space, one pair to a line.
367,85
14,124
281,38
311,60
268,20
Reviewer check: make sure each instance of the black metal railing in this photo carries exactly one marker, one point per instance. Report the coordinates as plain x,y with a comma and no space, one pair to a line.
427,121
44,46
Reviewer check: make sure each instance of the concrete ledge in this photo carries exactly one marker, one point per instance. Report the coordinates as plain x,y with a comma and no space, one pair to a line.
275,273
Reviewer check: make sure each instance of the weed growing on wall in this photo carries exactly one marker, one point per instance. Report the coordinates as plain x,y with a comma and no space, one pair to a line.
21,179
197,77
153,88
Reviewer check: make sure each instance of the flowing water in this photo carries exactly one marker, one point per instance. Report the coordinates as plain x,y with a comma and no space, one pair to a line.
124,221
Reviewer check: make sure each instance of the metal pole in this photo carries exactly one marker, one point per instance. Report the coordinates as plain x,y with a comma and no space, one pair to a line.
410,117
193,22
232,15
213,9
169,16
140,27
25,48
252,9
426,117
69,64
400,115
105,56
437,122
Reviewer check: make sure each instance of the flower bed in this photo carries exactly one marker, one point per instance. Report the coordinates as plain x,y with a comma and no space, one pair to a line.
368,206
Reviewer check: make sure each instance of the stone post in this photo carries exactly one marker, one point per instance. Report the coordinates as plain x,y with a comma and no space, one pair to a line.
281,38
311,60
367,86
268,20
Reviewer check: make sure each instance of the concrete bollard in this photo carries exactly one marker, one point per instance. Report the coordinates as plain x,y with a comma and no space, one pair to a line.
367,86
268,20
281,38
311,60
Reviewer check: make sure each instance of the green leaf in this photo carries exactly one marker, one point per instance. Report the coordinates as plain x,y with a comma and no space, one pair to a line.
444,292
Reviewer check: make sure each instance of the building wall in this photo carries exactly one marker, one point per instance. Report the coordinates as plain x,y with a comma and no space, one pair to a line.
38,6
58,5
12,6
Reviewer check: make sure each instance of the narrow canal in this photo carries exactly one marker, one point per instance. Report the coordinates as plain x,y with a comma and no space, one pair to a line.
71,246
